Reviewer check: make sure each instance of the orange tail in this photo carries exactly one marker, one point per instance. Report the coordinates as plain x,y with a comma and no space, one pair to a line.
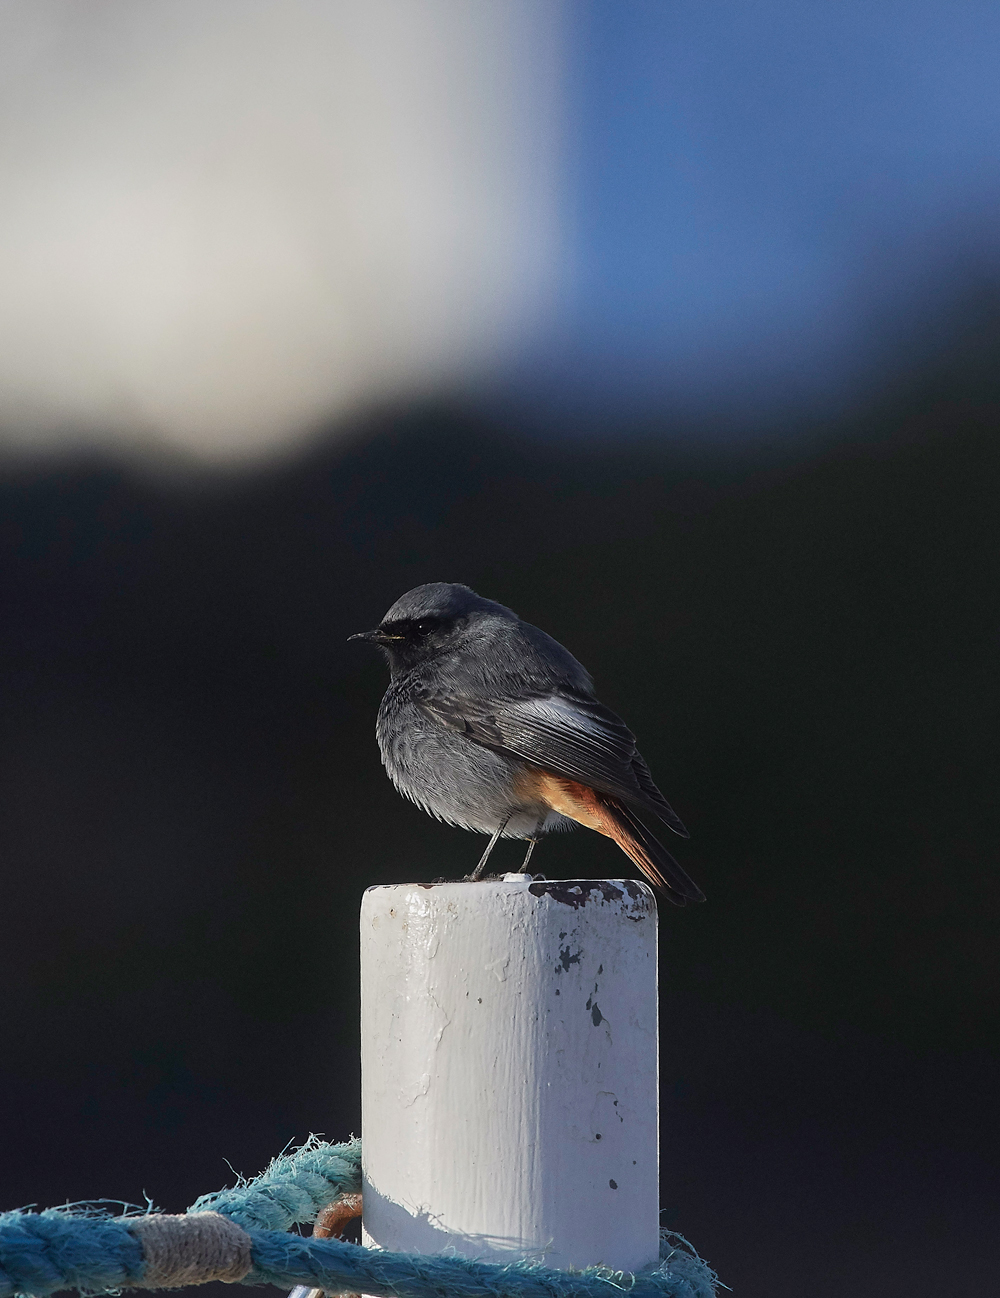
616,821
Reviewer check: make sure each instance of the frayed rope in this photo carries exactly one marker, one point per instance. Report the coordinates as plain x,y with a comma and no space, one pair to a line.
294,1189
239,1235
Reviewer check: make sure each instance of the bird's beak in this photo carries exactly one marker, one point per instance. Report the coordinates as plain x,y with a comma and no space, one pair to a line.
377,636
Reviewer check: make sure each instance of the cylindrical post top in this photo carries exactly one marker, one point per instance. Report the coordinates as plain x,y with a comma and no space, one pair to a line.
509,1069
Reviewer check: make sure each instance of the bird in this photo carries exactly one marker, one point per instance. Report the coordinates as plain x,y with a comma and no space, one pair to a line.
488,723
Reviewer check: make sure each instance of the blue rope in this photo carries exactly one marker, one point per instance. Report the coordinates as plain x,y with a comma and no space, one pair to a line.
294,1188
83,1249
335,1266
60,1248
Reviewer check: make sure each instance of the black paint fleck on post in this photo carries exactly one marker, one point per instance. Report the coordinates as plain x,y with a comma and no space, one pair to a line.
578,892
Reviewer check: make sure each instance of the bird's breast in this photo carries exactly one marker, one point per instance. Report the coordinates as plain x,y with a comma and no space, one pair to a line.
446,774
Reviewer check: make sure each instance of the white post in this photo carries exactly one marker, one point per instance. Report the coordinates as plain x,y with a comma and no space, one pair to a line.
509,1070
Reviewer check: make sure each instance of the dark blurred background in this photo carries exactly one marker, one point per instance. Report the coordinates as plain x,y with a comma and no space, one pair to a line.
787,582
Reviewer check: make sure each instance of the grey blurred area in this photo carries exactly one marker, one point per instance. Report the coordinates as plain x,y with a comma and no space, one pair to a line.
223,222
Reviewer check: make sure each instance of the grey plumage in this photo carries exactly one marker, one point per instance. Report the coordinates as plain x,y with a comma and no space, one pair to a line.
481,704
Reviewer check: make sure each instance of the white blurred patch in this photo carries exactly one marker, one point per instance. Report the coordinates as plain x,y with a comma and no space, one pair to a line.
222,220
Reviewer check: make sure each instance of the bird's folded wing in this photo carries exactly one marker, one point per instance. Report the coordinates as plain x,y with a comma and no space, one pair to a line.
577,738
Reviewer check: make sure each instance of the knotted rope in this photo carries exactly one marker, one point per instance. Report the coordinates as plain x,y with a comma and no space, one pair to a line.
240,1235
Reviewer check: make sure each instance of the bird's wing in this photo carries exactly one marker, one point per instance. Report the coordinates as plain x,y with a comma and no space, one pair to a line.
653,795
574,737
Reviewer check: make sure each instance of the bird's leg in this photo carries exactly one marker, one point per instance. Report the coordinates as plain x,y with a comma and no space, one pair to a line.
477,872
531,847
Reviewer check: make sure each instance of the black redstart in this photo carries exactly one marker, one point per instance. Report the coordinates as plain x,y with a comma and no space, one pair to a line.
490,724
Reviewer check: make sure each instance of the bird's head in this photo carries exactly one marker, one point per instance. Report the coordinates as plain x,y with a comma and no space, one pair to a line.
431,620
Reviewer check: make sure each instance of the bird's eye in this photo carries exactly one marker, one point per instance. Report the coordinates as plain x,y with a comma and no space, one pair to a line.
426,625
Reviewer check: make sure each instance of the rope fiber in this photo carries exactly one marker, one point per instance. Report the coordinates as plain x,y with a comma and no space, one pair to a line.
240,1235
